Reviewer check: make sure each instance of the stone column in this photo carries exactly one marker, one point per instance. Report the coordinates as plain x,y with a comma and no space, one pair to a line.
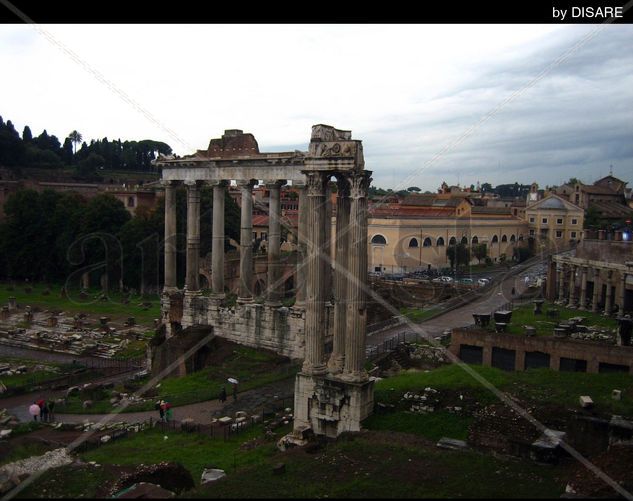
300,286
217,241
357,282
246,242
583,289
572,284
597,286
327,263
561,283
315,305
337,358
275,285
608,301
170,237
622,293
192,283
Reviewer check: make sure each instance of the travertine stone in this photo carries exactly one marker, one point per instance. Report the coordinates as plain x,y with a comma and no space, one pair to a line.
217,242
275,284
301,250
170,236
192,282
246,242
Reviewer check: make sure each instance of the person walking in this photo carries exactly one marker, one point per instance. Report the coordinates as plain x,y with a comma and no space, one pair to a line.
51,410
223,394
161,411
169,413
34,410
44,412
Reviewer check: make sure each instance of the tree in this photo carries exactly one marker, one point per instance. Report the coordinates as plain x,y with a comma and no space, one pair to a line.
573,180
486,187
480,251
592,217
458,255
414,188
76,138
27,136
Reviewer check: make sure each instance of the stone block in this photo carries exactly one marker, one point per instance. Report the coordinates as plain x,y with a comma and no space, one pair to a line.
616,394
211,475
451,443
586,402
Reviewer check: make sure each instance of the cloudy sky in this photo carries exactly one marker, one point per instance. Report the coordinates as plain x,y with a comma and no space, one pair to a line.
461,103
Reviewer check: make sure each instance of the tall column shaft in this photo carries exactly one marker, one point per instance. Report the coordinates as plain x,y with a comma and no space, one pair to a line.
300,279
246,243
597,286
193,237
337,358
583,288
622,293
608,301
170,237
327,263
217,241
357,264
315,305
572,285
561,283
275,286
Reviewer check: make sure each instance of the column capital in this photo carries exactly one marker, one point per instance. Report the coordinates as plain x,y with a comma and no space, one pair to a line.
315,183
166,183
189,183
359,183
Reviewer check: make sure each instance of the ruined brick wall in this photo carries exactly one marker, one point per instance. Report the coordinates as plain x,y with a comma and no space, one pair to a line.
594,353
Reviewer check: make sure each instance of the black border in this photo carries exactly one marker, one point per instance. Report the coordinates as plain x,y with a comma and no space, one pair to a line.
239,11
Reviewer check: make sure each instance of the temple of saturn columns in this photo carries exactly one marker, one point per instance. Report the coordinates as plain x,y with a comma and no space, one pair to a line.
332,394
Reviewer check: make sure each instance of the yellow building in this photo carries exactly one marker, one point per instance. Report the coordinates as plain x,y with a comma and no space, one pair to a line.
555,221
415,233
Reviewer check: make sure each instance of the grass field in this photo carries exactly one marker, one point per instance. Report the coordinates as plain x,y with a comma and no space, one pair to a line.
113,307
532,387
418,315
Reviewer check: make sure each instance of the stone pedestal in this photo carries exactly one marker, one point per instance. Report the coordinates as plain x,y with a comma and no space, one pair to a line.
330,406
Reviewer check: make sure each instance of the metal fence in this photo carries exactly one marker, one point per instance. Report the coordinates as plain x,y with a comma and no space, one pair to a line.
390,344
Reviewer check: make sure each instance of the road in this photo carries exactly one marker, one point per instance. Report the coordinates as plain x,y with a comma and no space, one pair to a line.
499,294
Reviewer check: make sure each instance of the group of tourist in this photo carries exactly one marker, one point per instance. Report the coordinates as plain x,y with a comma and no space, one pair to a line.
43,409
165,411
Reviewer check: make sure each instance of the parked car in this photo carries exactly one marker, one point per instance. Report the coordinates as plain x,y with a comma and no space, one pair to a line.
466,281
482,282
443,279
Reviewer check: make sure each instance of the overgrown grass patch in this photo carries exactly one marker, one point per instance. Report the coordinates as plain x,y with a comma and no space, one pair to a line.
114,307
434,425
195,451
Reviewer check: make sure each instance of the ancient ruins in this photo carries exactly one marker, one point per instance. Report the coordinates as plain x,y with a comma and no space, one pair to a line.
330,396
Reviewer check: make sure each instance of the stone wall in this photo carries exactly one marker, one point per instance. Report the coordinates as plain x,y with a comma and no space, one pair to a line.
593,353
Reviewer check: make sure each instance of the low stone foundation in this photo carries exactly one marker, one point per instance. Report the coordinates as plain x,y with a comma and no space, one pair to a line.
280,329
330,406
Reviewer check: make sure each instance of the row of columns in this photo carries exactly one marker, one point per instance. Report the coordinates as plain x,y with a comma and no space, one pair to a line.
192,282
567,275
350,275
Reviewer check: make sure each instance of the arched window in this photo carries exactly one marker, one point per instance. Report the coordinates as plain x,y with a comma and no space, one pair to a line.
504,238
440,242
520,238
475,240
379,240
512,238
427,242
465,240
495,239
413,243
452,241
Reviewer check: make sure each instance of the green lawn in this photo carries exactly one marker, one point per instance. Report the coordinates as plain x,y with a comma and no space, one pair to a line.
195,451
112,308
524,315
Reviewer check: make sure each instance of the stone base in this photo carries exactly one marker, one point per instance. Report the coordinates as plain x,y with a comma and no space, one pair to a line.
330,406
